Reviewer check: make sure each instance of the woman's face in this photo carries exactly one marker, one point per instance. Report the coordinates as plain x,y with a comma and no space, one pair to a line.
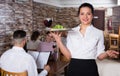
49,38
85,16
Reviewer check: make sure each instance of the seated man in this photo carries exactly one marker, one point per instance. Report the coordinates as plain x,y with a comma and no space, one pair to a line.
17,60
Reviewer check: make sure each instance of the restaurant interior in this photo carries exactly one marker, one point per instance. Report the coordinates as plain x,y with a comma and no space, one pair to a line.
30,15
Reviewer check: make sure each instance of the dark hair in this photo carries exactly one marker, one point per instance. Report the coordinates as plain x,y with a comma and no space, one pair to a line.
35,35
18,34
48,32
86,5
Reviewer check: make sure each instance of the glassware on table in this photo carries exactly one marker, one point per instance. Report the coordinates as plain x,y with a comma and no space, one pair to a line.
48,22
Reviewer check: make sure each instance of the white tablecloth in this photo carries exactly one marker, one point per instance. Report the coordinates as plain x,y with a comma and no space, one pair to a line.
108,67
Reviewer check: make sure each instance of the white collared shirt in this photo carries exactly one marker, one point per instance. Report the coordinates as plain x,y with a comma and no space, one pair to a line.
88,46
17,60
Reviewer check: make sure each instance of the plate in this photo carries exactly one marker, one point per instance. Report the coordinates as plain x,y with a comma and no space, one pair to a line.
53,29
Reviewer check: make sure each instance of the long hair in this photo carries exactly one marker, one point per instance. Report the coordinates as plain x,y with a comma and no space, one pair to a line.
35,35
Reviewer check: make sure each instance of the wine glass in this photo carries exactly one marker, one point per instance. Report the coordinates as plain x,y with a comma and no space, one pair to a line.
48,22
54,46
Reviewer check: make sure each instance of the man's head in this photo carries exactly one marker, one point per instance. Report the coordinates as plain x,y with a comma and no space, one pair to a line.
19,37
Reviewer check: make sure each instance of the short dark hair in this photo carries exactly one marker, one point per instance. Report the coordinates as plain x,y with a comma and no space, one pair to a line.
18,34
86,5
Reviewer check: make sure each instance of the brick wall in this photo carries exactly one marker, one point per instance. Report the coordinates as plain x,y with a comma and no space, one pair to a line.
13,15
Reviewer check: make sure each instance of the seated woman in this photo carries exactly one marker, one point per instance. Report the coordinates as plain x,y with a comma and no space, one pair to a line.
45,48
32,44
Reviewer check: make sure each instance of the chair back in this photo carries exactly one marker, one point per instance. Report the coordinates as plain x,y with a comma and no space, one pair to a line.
7,73
114,41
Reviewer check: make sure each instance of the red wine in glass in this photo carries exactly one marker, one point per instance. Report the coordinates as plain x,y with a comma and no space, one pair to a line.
48,23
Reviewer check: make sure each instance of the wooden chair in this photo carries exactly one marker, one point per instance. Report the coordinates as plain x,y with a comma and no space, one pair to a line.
114,41
6,73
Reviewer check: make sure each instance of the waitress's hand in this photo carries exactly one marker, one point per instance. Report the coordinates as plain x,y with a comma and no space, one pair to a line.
56,36
112,53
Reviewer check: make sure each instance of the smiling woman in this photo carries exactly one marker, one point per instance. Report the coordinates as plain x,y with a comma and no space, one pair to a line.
84,45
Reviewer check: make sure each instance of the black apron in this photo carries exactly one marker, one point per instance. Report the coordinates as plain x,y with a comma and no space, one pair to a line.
82,67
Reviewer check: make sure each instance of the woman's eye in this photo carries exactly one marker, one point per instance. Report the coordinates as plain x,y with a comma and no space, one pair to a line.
81,13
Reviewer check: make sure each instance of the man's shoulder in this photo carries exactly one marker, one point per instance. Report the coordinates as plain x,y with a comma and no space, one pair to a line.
21,55
25,55
6,52
28,56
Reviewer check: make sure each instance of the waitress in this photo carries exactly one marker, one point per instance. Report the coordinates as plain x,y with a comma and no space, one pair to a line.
85,43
